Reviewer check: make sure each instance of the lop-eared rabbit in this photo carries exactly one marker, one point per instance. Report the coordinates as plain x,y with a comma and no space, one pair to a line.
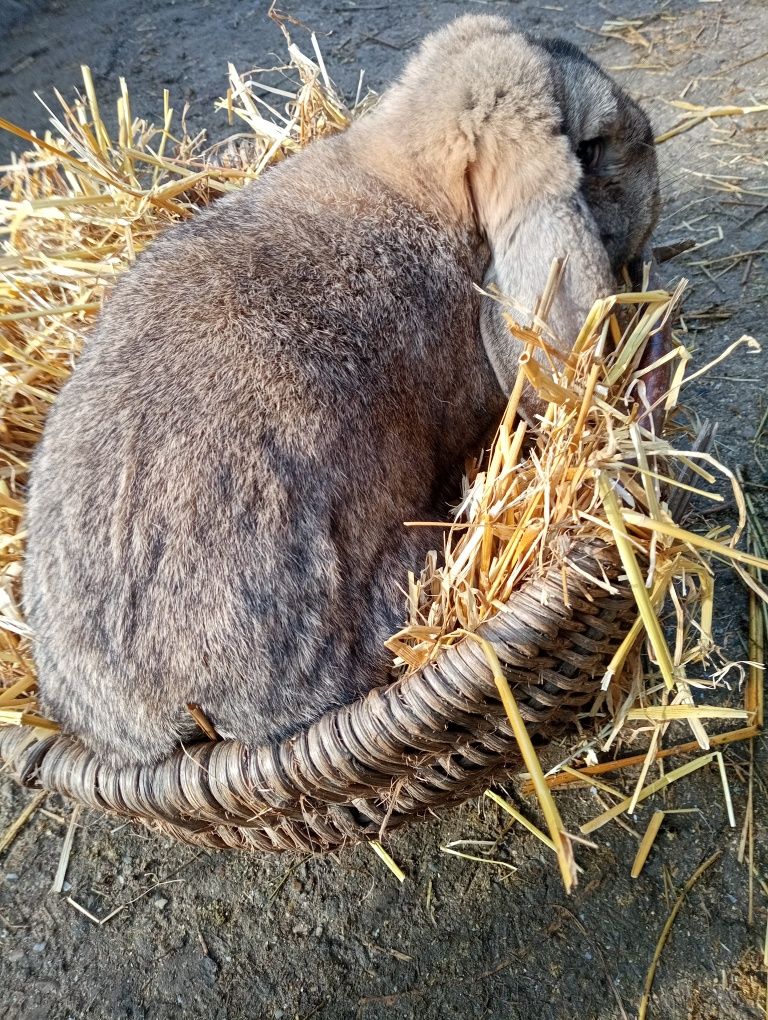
217,506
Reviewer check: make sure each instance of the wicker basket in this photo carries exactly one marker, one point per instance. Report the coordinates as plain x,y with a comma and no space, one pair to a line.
425,742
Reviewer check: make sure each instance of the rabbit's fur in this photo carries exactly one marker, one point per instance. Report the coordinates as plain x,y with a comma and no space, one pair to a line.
217,504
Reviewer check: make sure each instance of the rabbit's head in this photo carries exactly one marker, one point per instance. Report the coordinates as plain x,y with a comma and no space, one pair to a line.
485,120
471,130
527,145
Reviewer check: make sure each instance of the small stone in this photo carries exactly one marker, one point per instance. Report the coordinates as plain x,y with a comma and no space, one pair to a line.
160,903
67,887
38,947
301,929
15,955
11,876
278,1014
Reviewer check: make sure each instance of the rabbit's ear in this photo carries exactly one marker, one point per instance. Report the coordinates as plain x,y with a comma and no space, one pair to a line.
547,229
472,128
458,35
519,153
516,149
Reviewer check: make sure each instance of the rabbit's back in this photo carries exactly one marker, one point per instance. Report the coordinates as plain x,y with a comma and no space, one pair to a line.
216,513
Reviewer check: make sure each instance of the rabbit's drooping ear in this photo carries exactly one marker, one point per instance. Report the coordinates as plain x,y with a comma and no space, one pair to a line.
549,229
454,38
519,152
472,128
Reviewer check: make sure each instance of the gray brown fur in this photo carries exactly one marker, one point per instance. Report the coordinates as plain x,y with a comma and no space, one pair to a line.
217,504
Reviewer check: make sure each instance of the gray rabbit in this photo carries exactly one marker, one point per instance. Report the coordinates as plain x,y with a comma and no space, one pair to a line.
217,504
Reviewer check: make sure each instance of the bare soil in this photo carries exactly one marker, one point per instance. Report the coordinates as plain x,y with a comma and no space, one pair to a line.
221,936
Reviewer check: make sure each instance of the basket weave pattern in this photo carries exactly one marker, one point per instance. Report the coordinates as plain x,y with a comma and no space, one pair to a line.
428,741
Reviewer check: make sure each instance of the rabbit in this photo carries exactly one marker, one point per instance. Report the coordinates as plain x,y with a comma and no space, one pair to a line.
217,504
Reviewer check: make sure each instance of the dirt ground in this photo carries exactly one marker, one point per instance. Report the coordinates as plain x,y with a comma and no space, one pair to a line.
211,935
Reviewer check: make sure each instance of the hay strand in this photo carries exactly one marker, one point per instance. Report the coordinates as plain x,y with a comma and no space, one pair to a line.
21,820
382,854
560,840
649,837
66,851
645,1000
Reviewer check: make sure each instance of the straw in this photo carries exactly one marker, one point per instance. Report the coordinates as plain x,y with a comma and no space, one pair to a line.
645,1000
380,852
560,841
647,842
519,817
648,791
66,851
21,820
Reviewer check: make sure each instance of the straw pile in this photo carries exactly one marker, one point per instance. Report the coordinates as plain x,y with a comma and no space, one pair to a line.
594,467
81,204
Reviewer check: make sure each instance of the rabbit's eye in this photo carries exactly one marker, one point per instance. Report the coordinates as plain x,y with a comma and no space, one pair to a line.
590,154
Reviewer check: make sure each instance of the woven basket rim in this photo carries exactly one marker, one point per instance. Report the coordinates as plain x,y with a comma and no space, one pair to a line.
424,741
